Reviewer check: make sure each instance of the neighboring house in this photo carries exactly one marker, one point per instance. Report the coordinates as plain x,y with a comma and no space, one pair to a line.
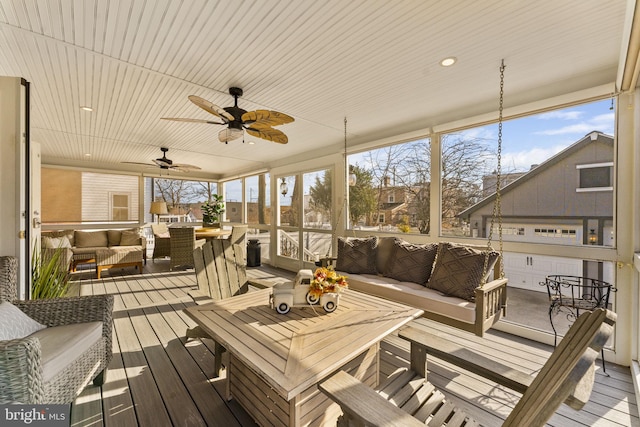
75,196
567,200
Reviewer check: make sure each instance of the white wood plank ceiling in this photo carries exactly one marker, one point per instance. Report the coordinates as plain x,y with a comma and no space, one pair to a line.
374,61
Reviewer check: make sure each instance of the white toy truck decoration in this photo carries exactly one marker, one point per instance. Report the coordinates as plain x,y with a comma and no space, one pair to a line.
296,294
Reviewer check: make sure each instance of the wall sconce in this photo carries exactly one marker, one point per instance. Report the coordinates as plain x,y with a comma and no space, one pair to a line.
158,208
284,188
593,237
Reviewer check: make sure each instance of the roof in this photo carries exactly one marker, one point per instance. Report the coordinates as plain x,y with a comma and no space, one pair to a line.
559,157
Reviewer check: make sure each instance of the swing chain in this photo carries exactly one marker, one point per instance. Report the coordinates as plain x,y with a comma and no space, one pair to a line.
497,208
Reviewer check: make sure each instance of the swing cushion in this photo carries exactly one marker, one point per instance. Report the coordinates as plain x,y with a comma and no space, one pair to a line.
458,270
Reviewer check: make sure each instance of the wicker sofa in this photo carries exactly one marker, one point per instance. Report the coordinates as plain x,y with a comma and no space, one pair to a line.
53,364
442,278
105,248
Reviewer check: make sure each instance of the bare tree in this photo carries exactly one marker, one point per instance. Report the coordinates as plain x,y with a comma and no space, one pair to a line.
407,169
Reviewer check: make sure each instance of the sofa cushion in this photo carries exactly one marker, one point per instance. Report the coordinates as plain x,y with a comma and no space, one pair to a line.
15,323
410,262
458,270
62,344
357,255
130,238
87,239
414,295
114,236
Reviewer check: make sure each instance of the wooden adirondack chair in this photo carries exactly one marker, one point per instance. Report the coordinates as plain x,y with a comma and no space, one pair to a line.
408,399
221,273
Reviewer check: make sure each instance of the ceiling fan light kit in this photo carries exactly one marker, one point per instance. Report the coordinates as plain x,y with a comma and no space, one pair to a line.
257,123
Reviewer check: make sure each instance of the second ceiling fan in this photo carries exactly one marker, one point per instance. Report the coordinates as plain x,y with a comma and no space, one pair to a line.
257,123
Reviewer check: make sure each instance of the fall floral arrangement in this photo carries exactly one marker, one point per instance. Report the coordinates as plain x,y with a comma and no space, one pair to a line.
326,280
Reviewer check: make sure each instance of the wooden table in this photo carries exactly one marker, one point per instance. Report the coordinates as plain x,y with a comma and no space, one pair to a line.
211,233
277,360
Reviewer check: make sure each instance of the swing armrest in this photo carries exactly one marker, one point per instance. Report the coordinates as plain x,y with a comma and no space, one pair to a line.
491,304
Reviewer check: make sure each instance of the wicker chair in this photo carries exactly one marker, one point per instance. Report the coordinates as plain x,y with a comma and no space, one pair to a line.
183,242
21,360
162,245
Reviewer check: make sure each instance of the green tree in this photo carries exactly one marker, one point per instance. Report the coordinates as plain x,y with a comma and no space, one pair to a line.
320,193
363,197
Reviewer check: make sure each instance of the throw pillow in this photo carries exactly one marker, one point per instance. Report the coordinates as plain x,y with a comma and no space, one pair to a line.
55,242
114,237
130,238
458,270
16,324
357,255
385,249
411,262
91,239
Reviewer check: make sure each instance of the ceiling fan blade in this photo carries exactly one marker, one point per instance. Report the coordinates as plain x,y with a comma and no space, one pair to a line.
268,133
178,119
211,108
149,165
266,117
229,134
185,168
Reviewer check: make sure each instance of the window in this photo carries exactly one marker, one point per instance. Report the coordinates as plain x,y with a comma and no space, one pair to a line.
184,198
403,170
119,207
595,177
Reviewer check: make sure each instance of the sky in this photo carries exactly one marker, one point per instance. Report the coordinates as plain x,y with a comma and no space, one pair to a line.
532,140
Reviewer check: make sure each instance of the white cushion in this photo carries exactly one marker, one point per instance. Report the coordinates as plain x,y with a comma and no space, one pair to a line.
16,324
55,242
61,345
414,295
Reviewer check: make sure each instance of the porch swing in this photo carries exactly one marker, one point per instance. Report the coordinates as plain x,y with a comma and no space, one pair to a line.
456,292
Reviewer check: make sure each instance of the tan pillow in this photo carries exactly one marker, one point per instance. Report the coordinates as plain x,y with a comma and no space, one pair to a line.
114,237
458,270
130,238
55,242
60,233
357,255
411,262
91,239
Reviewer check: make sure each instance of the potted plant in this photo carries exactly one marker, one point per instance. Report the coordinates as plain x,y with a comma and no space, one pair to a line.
212,211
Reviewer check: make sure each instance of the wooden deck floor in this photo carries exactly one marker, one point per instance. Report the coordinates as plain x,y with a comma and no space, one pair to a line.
156,379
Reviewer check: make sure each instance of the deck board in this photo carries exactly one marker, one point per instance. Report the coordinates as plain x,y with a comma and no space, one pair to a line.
158,379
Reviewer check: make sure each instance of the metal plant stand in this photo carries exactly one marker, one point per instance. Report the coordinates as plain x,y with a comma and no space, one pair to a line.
573,294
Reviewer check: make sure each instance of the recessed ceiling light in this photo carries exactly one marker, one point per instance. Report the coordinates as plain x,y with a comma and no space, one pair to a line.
86,108
448,62
251,142
87,154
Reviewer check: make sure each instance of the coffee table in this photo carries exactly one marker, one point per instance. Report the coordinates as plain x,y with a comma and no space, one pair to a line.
276,361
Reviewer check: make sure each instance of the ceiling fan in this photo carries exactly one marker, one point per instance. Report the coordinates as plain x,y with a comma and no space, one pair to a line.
164,163
257,123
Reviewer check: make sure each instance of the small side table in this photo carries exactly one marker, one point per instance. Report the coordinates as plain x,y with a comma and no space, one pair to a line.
572,294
